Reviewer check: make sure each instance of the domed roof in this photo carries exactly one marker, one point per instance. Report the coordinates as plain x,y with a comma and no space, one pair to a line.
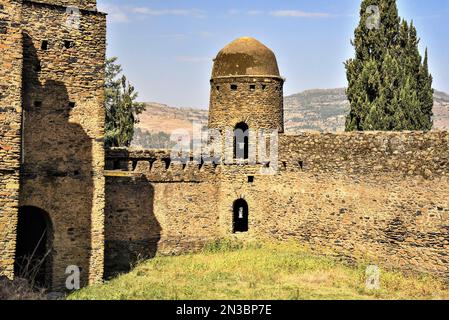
245,57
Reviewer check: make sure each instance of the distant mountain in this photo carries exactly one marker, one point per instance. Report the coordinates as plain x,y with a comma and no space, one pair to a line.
322,110
162,118
441,111
325,110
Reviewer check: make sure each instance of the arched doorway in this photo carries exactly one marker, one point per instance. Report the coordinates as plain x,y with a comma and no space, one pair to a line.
241,141
241,213
34,246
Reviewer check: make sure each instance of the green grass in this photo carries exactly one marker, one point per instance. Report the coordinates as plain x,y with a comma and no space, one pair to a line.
270,271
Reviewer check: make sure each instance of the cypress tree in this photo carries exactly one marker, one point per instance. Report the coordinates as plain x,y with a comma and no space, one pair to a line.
426,91
389,86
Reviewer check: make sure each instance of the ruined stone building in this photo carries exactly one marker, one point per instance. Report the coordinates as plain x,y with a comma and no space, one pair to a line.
383,197
51,135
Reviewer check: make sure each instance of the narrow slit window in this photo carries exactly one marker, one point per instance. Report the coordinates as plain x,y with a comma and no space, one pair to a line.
44,45
241,217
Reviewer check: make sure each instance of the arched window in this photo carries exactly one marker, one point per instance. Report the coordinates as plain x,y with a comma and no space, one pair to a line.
241,216
34,246
241,141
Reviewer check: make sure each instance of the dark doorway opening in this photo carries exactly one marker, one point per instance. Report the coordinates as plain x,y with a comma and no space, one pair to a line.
241,141
241,213
34,245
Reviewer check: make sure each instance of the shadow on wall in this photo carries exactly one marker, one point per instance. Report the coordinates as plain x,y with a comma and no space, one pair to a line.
56,174
132,232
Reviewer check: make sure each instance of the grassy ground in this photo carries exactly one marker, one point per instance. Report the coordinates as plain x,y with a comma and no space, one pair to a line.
270,271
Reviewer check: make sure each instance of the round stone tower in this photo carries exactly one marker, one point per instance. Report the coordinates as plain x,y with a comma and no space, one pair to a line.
246,87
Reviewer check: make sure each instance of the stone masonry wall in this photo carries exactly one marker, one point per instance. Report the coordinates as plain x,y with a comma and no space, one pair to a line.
81,4
383,197
379,196
153,206
10,123
63,156
369,153
260,107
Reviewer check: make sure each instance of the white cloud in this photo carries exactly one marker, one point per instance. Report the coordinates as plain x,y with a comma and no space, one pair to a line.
299,14
116,14
164,12
254,12
120,14
233,11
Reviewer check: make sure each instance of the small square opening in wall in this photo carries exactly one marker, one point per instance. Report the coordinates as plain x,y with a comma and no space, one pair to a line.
37,105
44,45
234,87
72,105
250,179
218,88
252,87
3,27
264,86
69,44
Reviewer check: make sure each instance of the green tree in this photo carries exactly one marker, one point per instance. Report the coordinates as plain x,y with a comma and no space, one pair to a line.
389,84
122,110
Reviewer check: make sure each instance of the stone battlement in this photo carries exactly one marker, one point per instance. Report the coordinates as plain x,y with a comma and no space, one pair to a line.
361,153
383,196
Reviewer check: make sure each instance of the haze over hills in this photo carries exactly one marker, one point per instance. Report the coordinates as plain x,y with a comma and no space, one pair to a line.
322,110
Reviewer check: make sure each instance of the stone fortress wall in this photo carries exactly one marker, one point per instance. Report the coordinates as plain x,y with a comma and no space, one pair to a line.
61,123
10,123
380,196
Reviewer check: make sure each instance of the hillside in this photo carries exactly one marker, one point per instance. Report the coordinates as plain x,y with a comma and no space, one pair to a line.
316,110
269,271
321,110
325,111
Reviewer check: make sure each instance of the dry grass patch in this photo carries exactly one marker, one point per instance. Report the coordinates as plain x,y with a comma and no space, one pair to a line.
271,271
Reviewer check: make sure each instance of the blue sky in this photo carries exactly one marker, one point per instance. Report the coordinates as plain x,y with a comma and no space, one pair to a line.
166,47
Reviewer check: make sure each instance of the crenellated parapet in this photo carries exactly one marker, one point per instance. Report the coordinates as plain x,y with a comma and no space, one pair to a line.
353,154
157,166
